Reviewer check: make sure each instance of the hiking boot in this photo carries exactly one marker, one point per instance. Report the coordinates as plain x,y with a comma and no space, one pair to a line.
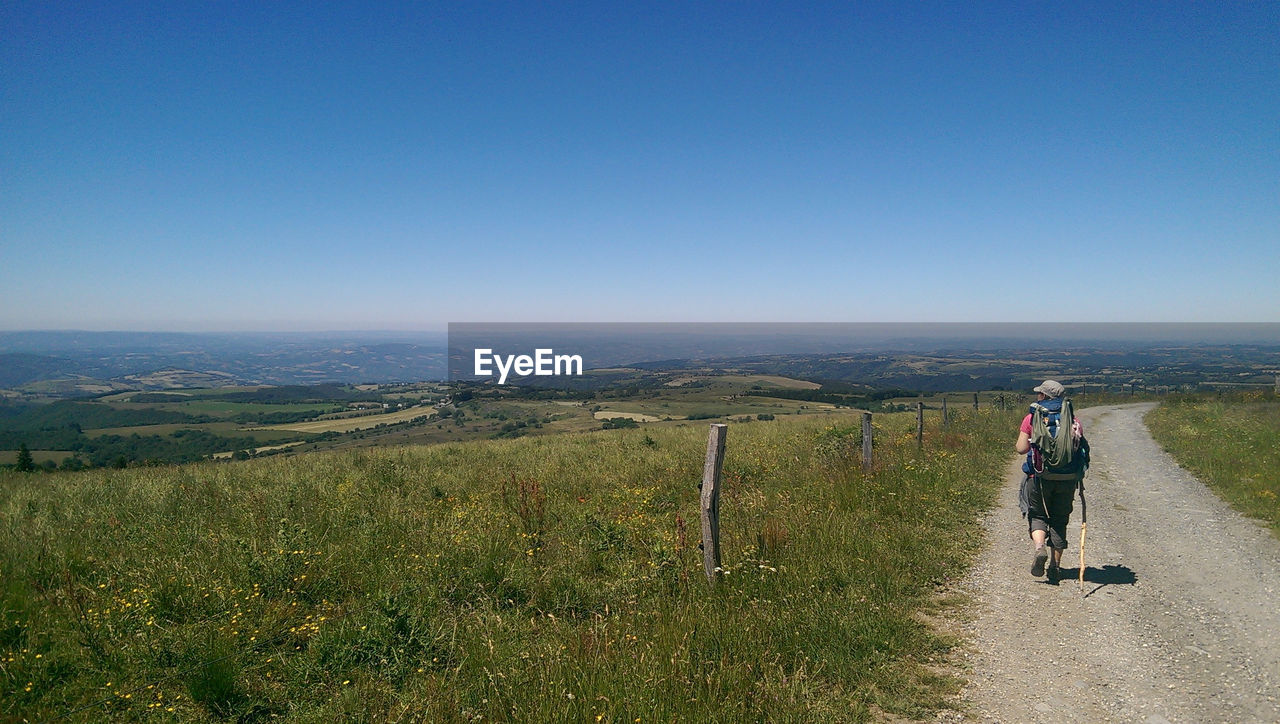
1054,573
1037,562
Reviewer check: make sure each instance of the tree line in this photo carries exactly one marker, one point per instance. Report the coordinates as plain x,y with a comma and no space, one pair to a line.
122,450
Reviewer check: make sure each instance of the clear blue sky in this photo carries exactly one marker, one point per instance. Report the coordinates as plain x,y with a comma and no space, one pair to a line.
277,166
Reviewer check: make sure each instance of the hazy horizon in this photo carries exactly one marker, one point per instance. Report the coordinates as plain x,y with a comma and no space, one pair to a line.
1209,332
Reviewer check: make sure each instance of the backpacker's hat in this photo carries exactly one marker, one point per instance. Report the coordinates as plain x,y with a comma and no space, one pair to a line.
1051,388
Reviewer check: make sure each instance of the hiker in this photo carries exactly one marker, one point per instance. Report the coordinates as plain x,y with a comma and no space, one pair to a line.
1047,491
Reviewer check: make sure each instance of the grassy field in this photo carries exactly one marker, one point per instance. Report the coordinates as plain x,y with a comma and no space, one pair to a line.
544,578
9,457
744,380
1231,443
220,408
637,416
676,408
258,450
347,424
219,428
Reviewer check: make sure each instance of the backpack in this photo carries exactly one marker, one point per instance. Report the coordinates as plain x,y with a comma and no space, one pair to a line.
1061,452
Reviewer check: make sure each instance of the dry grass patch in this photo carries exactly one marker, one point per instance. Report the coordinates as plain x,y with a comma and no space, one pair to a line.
354,423
258,450
637,416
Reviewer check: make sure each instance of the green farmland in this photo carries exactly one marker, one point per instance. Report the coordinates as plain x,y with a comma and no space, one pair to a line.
184,425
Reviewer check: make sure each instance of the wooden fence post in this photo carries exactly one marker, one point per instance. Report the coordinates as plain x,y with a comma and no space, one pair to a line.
919,424
866,442
711,501
944,412
975,402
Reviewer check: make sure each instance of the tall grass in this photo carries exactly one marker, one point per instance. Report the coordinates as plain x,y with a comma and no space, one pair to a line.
548,578
1232,443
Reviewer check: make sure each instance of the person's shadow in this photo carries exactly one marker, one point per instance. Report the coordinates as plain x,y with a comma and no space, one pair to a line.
1103,576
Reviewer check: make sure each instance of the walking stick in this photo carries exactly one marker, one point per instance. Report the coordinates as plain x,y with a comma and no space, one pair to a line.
1084,518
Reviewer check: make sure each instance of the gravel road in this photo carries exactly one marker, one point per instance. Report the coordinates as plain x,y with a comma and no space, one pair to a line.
1178,619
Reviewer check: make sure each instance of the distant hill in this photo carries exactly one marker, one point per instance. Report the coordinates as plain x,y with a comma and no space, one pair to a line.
19,368
52,365
60,364
1112,368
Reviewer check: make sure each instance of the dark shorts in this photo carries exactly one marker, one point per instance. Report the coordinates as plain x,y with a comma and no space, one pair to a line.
1049,508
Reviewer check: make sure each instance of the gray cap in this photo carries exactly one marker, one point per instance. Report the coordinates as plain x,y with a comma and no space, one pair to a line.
1051,388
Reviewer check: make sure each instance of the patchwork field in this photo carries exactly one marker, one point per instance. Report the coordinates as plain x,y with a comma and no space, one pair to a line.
220,428
179,425
637,416
363,422
256,451
786,383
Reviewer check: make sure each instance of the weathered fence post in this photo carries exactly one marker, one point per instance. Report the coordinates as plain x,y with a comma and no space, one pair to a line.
975,402
866,441
944,412
711,501
919,424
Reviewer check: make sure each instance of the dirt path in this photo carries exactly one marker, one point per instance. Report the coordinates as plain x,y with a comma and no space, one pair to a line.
1179,620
